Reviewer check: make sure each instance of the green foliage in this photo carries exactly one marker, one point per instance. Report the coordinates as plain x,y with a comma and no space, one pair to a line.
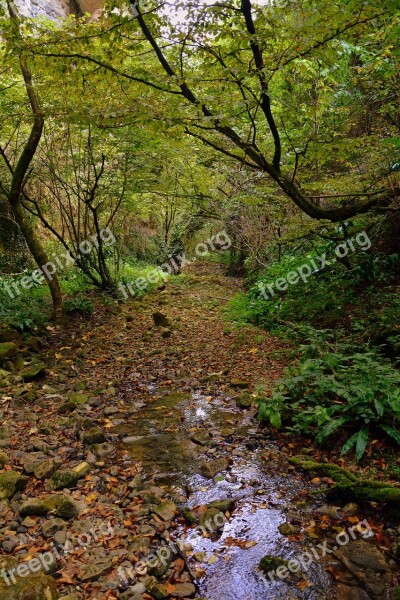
335,388
78,306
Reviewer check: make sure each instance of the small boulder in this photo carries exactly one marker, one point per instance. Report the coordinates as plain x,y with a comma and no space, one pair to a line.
95,435
60,505
161,320
7,350
45,468
287,529
240,384
31,587
33,372
244,401
78,398
11,482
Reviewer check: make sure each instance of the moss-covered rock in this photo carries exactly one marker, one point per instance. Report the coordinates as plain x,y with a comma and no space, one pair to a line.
244,401
270,563
32,587
223,505
95,435
8,334
287,529
347,485
78,398
63,479
4,458
7,350
11,482
60,505
33,372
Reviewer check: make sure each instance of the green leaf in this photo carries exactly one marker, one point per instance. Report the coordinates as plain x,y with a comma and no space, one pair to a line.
392,432
362,440
275,419
349,444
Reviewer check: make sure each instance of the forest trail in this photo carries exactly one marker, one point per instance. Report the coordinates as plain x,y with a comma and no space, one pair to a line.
161,419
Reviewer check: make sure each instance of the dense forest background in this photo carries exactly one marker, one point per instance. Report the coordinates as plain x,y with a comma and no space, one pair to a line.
129,138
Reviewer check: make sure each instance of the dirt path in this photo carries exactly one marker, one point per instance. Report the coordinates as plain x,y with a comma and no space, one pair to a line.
137,431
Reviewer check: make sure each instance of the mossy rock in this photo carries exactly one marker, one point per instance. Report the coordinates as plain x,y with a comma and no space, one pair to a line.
78,398
8,350
244,401
34,587
11,482
240,384
288,529
188,515
60,505
347,485
223,505
8,334
270,563
63,479
95,435
4,458
66,408
211,519
33,372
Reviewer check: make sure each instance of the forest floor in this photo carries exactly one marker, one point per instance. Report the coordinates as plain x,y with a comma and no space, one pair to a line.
134,466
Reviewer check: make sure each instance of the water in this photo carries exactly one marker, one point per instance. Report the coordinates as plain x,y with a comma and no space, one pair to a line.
257,478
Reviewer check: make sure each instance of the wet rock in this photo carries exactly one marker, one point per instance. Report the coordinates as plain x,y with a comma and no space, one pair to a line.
211,468
95,435
223,505
166,510
212,520
201,437
160,320
31,587
60,505
271,563
7,350
287,529
244,401
188,515
11,482
183,590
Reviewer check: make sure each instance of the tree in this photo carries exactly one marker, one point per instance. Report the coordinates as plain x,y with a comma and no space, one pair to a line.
20,171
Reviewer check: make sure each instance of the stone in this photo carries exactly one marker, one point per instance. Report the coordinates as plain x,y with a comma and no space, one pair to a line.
240,384
78,398
157,590
36,586
183,590
33,372
60,505
102,450
4,458
95,435
45,468
166,333
66,408
8,334
160,566
287,529
244,401
166,510
212,520
11,482
111,410
211,468
161,320
92,571
66,478
9,543
201,437
52,526
222,505
7,350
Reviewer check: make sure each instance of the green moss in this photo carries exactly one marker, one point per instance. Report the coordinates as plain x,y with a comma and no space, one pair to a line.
349,485
271,563
30,588
10,482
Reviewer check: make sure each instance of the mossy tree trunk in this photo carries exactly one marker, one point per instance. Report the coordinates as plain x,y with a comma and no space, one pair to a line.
19,174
